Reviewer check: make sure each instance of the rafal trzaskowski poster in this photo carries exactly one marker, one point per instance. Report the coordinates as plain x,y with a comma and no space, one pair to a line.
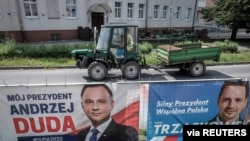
173,104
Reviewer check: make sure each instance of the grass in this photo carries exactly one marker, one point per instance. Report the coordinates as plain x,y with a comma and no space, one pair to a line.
42,62
241,56
151,59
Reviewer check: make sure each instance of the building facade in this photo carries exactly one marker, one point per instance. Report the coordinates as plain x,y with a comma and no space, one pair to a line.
50,20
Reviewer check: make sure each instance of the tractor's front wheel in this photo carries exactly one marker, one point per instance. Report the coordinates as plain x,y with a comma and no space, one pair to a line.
97,71
131,70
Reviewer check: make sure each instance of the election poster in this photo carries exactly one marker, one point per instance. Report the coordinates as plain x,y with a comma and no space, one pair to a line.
55,113
156,110
174,104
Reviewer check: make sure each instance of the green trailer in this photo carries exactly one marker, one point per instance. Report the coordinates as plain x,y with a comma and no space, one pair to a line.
188,57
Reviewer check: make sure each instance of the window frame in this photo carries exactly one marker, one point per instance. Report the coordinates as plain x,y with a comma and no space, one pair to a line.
165,12
118,10
130,11
30,5
178,13
188,13
70,5
141,11
156,12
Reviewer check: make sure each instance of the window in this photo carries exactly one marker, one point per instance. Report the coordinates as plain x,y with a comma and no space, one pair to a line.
55,37
103,39
178,13
188,13
156,11
118,9
130,10
165,12
141,11
117,33
71,8
30,8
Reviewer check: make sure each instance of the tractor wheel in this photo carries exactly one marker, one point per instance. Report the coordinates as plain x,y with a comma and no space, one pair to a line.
97,71
197,68
131,70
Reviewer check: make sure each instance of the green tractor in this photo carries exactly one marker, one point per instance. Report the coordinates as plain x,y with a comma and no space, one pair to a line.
116,48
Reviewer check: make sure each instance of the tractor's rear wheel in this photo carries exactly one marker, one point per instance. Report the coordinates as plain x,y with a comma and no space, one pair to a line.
131,70
197,68
97,71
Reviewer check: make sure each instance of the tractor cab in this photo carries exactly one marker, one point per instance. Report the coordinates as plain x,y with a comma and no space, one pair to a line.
116,48
119,40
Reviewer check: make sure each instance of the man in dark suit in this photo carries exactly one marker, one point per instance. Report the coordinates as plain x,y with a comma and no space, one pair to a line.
232,100
97,103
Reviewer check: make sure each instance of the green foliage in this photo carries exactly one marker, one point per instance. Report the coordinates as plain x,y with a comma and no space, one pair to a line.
42,51
208,13
60,55
233,13
240,56
145,48
37,62
7,46
230,13
227,46
151,58
186,42
142,132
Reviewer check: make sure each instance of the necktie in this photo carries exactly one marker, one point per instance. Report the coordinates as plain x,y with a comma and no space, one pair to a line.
93,136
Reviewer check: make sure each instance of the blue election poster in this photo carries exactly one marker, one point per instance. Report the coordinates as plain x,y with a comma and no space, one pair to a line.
176,103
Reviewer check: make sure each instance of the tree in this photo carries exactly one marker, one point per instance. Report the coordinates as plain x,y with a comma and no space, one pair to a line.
234,14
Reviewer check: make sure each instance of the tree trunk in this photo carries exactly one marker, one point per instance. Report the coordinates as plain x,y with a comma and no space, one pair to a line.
234,33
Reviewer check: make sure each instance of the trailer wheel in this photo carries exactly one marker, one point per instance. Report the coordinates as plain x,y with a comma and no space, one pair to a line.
97,71
131,70
197,68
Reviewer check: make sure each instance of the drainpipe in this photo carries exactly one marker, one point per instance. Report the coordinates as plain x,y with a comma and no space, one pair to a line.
20,19
170,17
146,14
195,12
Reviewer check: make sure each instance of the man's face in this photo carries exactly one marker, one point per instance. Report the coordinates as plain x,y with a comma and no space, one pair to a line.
97,104
232,102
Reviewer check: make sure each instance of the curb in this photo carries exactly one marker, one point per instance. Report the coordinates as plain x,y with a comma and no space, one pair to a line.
75,67
30,68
